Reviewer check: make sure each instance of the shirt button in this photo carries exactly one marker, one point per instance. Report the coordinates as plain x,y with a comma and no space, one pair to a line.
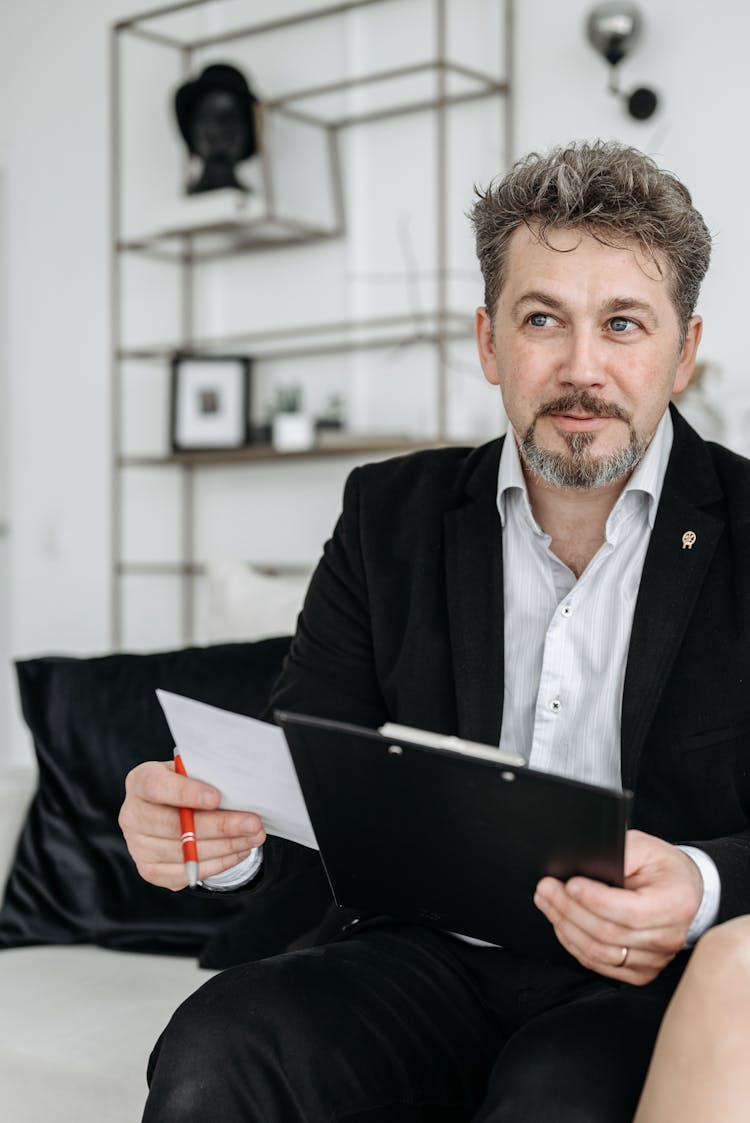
555,705
566,610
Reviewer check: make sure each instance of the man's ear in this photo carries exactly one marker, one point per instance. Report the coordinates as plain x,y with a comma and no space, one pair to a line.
688,354
486,345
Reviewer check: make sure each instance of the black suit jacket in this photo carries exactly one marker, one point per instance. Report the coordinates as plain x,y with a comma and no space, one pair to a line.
403,621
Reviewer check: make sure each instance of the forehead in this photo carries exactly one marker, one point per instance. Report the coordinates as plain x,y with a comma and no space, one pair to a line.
574,260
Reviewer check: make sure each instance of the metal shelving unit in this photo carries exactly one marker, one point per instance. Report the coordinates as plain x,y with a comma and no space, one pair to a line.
265,227
320,339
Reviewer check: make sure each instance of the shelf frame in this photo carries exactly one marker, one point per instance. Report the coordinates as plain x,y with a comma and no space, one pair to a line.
367,333
187,251
265,454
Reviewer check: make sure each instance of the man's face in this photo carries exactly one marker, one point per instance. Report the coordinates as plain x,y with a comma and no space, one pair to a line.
586,351
219,127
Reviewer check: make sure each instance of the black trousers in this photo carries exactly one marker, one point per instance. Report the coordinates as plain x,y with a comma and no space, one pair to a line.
405,1025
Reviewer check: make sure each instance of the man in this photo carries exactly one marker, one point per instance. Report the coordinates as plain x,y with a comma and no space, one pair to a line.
578,592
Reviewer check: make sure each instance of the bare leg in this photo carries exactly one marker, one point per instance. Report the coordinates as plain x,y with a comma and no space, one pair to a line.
699,1071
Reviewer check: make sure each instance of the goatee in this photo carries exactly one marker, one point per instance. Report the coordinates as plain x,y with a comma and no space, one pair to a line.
578,467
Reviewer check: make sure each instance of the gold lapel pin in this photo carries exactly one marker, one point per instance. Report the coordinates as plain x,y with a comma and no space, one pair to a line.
688,540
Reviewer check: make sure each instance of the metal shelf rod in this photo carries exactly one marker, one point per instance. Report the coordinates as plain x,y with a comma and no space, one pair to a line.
492,84
461,324
199,569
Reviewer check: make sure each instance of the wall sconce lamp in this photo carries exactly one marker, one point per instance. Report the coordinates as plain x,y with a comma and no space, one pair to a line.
613,29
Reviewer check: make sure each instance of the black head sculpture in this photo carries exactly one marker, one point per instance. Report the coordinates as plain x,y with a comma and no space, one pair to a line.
217,118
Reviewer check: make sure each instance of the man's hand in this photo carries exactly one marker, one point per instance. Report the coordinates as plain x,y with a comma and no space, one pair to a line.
149,819
650,916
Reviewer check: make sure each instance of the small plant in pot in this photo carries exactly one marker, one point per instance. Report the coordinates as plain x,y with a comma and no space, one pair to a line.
292,429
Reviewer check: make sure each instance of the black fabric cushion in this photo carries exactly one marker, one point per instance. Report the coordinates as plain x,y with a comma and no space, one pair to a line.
92,720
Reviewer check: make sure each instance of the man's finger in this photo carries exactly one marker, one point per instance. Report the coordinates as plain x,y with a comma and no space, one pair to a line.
629,908
603,925
579,941
599,925
172,875
226,824
169,850
615,961
559,904
157,782
158,821
620,906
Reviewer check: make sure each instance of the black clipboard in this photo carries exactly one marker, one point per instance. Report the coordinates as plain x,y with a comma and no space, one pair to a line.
450,834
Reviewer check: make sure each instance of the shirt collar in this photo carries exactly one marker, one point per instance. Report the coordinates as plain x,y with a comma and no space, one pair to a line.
647,479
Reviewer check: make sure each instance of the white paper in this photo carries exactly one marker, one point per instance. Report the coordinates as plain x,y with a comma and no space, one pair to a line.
247,760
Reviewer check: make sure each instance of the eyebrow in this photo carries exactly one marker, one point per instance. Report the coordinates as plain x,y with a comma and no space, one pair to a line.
537,296
615,304
629,304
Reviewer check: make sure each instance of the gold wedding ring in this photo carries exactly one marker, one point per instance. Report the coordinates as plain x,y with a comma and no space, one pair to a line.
624,958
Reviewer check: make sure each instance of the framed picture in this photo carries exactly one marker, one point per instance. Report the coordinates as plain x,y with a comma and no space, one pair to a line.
210,399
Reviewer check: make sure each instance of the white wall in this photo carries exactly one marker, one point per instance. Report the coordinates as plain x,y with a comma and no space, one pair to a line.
694,56
53,153
54,162
6,694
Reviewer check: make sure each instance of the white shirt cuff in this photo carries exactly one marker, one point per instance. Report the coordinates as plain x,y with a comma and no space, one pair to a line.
238,875
708,909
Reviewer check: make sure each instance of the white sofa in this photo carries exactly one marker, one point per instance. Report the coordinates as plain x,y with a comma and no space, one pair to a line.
77,1023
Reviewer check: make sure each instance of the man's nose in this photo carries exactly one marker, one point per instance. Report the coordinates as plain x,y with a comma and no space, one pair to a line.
583,362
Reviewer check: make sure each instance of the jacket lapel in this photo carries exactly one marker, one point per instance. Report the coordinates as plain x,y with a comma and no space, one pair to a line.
671,580
672,577
474,586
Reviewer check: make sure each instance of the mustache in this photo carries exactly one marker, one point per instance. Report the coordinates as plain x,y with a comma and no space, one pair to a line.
587,403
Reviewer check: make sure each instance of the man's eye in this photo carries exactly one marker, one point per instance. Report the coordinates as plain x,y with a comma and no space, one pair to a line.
539,319
620,324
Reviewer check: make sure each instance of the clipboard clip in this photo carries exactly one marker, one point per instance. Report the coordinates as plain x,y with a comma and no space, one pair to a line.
447,741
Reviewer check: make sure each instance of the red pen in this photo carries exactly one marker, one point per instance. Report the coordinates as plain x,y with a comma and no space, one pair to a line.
187,838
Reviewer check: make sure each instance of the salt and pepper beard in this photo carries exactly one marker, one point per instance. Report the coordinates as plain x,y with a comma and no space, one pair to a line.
577,468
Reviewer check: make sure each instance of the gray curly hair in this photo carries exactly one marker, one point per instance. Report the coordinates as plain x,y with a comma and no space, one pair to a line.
609,190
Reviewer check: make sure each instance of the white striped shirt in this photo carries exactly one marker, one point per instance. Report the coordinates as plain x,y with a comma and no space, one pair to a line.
567,638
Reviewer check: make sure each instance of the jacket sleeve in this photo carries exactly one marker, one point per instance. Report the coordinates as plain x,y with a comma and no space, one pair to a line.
330,669
732,858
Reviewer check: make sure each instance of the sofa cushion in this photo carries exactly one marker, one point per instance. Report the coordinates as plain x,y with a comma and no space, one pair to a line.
17,787
93,720
79,1024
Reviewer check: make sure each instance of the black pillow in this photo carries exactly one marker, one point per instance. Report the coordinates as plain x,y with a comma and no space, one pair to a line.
92,720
